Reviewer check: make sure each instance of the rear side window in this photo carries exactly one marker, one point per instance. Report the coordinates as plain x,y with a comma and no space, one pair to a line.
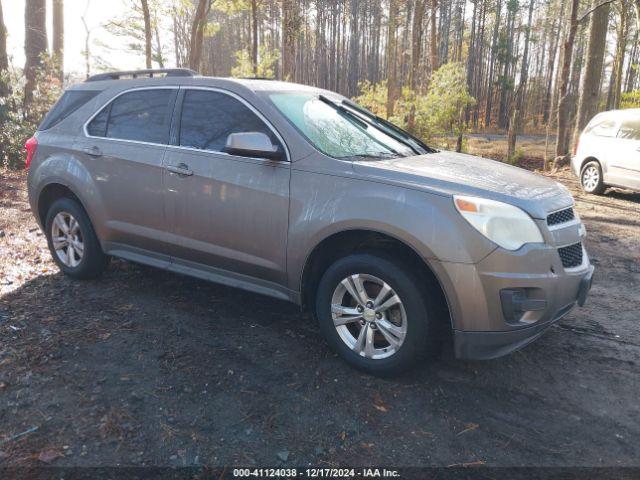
208,118
604,127
142,115
630,129
70,101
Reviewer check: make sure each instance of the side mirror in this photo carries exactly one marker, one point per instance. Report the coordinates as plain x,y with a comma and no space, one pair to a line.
252,144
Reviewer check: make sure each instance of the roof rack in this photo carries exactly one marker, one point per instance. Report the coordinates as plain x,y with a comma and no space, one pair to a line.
168,72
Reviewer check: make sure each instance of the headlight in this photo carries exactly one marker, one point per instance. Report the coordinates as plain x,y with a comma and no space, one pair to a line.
504,224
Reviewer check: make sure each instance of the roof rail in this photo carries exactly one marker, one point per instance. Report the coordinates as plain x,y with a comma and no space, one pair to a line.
168,72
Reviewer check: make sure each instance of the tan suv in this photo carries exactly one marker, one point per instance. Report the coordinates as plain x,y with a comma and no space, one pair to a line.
298,193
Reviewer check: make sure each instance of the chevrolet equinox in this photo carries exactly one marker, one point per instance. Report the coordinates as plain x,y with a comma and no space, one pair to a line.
301,194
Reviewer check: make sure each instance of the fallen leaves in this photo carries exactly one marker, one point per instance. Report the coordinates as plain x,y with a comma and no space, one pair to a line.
379,404
48,456
469,427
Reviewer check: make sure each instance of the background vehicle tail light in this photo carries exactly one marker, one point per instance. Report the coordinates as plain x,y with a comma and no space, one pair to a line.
30,145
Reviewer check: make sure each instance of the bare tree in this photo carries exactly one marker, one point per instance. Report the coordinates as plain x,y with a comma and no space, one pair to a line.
590,82
254,36
35,43
4,58
515,121
58,37
433,43
416,51
144,4
392,47
354,39
198,24
290,26
563,98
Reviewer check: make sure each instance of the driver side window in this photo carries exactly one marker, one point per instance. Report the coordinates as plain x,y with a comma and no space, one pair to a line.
209,117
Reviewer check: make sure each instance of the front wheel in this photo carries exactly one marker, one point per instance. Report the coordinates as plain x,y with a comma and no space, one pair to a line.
373,313
591,178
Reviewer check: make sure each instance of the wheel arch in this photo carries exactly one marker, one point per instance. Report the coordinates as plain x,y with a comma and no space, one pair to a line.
588,159
340,244
49,194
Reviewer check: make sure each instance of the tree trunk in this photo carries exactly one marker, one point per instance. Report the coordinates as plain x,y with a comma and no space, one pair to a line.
433,40
35,43
58,37
563,99
197,33
147,32
515,122
352,69
254,36
613,100
5,88
590,84
289,35
392,80
416,51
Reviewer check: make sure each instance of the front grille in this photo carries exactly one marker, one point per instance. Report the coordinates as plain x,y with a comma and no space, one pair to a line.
561,216
571,256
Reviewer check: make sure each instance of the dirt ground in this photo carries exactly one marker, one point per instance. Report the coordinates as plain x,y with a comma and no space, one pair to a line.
144,367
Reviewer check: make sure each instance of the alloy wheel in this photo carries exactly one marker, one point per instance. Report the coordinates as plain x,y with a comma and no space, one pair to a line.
67,239
369,316
590,178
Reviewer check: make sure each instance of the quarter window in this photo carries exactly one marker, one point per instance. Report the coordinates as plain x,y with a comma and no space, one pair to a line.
602,128
209,117
630,129
142,115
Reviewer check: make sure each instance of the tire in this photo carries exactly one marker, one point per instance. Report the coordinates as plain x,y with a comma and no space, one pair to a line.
420,320
591,178
85,264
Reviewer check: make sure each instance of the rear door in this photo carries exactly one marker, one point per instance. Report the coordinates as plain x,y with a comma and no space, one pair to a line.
625,168
227,212
123,147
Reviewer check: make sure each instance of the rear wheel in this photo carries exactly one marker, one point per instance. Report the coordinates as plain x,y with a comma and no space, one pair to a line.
373,314
591,178
72,241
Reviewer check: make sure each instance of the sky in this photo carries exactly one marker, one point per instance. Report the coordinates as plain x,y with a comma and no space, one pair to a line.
98,12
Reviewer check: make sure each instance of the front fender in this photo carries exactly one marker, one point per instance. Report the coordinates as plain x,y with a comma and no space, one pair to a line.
323,205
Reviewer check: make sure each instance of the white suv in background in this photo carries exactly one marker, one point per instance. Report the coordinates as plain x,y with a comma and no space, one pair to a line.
608,153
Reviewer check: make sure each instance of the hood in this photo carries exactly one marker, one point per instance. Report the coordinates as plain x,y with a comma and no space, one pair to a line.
452,173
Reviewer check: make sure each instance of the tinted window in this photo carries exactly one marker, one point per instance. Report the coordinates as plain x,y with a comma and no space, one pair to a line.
208,118
605,127
143,115
630,129
68,103
98,126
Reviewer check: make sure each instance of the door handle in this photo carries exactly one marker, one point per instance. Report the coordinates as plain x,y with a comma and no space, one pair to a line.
93,151
181,169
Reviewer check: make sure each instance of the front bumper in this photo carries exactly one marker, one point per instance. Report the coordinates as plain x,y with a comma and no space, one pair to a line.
489,319
488,345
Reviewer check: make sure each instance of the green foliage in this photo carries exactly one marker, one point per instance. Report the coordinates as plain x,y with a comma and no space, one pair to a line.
373,97
266,63
517,157
19,122
630,99
439,112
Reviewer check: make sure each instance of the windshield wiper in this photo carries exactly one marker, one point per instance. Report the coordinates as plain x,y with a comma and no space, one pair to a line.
391,129
357,119
373,156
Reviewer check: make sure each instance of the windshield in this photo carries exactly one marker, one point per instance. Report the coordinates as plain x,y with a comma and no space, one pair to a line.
336,131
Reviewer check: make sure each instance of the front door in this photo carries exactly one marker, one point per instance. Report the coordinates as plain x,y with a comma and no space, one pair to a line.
229,214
